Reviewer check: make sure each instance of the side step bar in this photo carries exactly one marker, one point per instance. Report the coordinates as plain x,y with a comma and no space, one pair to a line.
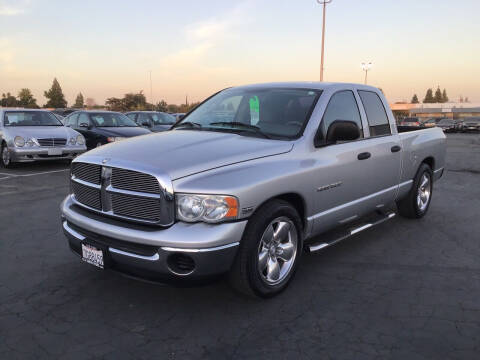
337,235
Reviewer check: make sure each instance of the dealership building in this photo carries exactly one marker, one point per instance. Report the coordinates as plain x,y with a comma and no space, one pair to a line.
436,110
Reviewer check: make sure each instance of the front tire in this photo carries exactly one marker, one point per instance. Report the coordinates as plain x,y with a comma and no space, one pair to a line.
5,160
415,205
270,250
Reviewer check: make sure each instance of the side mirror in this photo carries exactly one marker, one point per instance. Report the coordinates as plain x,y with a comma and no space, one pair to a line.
342,130
339,130
84,125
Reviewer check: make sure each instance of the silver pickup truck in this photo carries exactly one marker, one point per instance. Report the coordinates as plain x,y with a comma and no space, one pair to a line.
247,181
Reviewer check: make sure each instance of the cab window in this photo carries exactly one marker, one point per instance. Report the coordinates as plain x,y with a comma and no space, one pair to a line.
342,106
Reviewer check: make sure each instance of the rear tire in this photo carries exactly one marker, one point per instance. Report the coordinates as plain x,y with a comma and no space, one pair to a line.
415,205
270,250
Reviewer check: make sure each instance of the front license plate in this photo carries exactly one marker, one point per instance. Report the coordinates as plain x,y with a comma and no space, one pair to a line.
54,152
92,255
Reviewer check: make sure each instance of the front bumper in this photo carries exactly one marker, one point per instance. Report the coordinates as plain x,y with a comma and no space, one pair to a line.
45,153
182,252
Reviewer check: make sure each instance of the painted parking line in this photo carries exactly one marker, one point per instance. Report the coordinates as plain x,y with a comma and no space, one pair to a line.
9,176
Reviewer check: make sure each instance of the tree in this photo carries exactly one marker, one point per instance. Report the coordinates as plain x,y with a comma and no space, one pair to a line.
429,97
438,95
162,106
8,100
414,99
444,96
55,96
79,102
466,99
135,101
461,99
26,99
115,104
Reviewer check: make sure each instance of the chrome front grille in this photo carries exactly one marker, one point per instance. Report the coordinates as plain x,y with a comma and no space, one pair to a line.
52,142
136,207
87,195
87,172
134,181
122,193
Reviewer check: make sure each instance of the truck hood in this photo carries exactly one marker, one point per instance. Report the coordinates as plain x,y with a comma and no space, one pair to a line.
40,132
179,153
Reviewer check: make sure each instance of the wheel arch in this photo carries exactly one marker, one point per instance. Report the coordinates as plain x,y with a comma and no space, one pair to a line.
430,161
294,199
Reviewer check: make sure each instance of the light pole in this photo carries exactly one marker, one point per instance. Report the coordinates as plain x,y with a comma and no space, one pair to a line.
366,67
151,92
324,3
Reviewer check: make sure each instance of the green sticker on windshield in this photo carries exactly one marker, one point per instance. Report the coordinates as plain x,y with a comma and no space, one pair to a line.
254,110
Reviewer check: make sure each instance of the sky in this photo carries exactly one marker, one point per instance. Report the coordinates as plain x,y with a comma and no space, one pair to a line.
108,48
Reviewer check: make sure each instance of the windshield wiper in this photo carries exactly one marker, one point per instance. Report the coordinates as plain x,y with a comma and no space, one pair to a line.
237,124
187,123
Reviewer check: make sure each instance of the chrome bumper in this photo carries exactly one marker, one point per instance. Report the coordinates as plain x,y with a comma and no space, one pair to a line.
35,153
211,248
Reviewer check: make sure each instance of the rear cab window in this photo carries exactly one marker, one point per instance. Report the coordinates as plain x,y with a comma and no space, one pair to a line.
376,115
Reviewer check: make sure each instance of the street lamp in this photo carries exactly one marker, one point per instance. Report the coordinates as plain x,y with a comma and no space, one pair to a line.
366,67
324,3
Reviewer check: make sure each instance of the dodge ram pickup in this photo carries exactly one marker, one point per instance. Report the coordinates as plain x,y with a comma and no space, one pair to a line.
248,181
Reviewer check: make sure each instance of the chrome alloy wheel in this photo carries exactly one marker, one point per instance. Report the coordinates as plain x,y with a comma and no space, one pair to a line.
5,156
277,250
424,192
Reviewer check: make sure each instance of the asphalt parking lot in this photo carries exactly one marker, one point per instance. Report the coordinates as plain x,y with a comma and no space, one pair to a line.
404,290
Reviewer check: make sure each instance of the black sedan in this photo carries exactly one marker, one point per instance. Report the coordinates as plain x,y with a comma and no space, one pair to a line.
153,120
103,127
447,125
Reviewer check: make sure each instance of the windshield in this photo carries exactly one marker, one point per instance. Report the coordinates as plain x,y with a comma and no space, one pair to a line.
160,118
111,120
271,112
30,118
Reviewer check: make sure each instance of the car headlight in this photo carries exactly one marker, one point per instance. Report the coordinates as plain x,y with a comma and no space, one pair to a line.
80,140
207,208
32,142
72,141
115,138
19,141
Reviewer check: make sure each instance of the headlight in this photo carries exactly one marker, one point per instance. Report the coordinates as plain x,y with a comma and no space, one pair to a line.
80,140
19,141
115,138
207,208
32,142
72,141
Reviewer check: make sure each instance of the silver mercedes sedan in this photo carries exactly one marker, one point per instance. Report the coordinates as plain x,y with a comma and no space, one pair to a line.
30,135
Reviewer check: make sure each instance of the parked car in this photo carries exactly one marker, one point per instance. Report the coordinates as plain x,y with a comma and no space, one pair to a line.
410,121
32,135
103,127
447,125
429,122
246,181
155,121
471,125
64,111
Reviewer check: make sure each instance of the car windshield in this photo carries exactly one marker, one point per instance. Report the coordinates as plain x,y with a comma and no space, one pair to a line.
160,118
30,118
268,112
111,120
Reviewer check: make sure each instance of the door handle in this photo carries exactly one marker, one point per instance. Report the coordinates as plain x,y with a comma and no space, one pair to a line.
363,156
396,148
